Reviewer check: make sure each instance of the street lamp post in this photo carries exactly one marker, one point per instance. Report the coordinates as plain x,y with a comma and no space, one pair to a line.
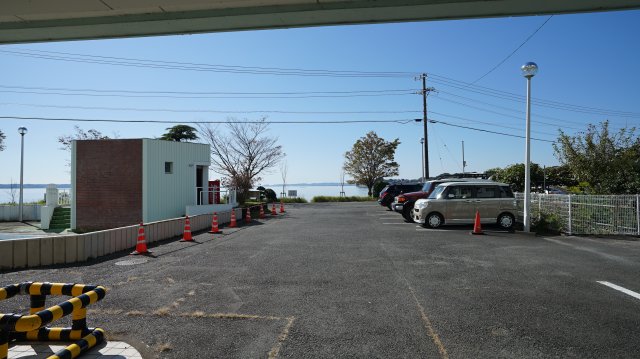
529,70
424,179
22,131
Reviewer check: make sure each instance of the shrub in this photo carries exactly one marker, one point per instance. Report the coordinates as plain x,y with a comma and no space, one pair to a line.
294,200
547,223
318,199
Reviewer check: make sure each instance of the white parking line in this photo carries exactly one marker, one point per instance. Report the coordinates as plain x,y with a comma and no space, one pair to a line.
621,289
398,223
430,230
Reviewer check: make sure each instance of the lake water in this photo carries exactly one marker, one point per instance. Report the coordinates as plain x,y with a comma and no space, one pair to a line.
306,191
29,194
310,191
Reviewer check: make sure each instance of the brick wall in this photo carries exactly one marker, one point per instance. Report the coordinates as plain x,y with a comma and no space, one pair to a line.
108,183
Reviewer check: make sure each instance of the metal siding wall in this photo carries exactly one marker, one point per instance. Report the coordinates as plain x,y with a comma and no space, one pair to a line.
167,195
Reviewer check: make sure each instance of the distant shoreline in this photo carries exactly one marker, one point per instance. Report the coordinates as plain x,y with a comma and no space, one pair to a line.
32,185
64,185
310,184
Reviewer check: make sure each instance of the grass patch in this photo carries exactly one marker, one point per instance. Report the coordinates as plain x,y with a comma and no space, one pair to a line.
164,311
319,199
294,200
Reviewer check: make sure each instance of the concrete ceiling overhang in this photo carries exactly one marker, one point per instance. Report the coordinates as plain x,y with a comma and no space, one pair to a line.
55,20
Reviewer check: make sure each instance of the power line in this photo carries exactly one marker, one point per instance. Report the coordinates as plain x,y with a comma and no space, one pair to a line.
490,123
403,122
205,93
158,64
206,96
486,91
185,66
138,109
487,131
514,51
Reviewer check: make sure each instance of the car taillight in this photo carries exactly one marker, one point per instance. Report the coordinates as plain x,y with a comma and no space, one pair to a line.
402,199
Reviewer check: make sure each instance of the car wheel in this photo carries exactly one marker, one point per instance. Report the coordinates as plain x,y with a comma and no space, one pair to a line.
389,206
506,221
434,220
406,213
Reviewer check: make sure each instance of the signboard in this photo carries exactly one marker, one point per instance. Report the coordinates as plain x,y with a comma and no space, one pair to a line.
292,193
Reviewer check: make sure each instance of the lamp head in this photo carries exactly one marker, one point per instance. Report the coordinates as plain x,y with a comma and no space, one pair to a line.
529,69
22,130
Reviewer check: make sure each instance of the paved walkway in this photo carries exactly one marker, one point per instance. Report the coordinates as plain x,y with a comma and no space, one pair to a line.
109,350
13,230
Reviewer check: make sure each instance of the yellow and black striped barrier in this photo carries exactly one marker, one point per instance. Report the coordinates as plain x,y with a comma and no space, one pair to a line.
17,327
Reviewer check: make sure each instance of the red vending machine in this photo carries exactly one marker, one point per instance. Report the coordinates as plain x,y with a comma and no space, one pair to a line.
214,192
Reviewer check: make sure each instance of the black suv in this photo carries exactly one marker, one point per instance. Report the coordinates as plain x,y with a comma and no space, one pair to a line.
392,190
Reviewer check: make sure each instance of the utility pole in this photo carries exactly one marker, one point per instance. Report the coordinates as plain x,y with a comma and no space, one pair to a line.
425,92
464,163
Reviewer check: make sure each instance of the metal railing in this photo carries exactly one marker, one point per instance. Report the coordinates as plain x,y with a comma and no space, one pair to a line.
206,196
588,214
64,198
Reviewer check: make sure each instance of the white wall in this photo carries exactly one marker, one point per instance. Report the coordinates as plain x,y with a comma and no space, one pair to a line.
30,212
167,195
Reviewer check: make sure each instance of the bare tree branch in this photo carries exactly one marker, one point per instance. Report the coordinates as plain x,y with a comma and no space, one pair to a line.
242,155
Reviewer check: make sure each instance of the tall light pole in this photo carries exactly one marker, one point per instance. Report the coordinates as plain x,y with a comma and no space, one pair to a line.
22,131
424,178
529,70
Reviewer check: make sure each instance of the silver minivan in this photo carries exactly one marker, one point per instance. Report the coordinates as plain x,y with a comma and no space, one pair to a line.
457,203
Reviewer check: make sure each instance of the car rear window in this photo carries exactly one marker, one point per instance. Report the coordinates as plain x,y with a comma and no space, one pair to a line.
505,192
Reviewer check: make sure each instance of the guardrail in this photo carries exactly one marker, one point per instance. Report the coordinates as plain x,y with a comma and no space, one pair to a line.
16,327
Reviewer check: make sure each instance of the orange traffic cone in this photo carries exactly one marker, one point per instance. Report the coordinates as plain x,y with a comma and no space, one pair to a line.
477,228
233,223
186,237
281,206
247,218
214,224
273,210
261,211
141,245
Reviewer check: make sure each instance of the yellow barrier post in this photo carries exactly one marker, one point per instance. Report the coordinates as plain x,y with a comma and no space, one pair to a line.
16,327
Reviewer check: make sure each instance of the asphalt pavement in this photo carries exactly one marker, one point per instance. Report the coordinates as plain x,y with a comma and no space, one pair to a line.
353,280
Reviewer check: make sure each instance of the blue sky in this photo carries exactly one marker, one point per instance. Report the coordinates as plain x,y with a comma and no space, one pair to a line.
587,60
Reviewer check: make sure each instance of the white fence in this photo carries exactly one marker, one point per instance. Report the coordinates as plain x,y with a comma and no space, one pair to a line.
587,214
11,213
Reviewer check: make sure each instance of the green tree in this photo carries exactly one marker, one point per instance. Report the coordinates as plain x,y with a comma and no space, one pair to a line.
2,137
514,175
560,176
602,161
180,133
370,159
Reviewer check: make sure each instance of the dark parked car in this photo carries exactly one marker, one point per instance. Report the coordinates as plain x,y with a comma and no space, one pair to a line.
403,203
391,191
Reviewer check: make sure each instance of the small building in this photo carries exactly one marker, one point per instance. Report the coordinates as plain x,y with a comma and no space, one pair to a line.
122,182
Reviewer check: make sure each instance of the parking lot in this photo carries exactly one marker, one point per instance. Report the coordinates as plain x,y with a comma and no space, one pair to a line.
355,280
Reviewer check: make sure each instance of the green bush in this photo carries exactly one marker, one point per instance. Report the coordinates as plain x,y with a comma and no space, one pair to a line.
318,199
547,224
294,200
